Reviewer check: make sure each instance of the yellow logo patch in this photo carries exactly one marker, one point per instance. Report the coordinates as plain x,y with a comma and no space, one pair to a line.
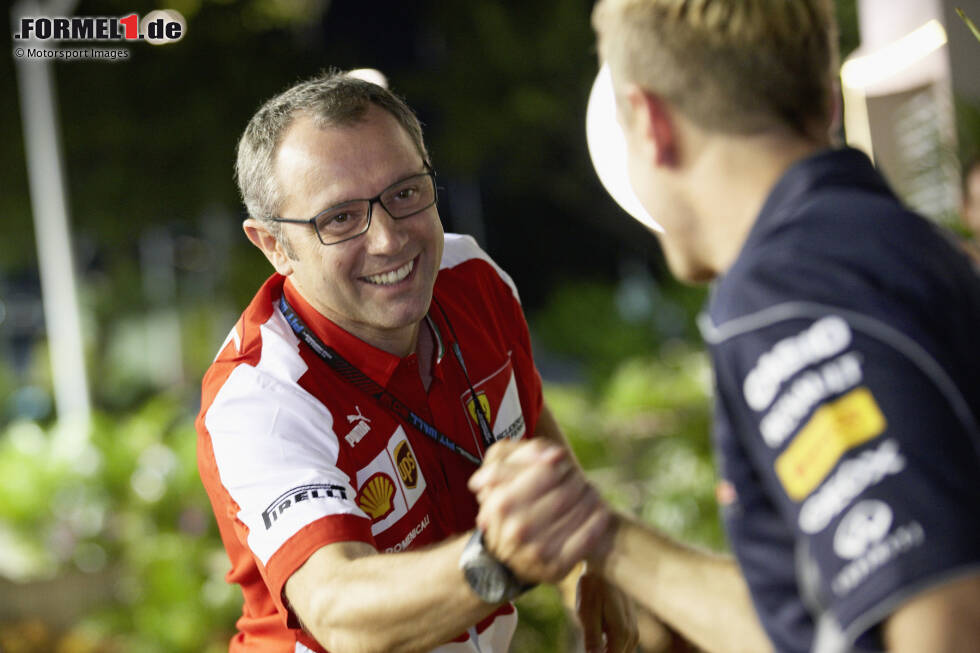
832,430
484,406
375,497
407,467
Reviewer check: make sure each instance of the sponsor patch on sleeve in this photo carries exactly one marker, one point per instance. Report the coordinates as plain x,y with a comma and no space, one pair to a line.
833,429
498,399
390,484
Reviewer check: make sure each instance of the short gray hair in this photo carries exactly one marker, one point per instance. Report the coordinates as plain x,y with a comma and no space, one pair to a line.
331,99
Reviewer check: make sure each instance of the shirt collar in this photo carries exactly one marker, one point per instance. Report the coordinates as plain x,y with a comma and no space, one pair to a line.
842,167
440,345
829,167
377,364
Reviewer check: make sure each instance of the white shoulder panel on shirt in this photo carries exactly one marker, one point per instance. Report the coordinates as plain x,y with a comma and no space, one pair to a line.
275,447
460,248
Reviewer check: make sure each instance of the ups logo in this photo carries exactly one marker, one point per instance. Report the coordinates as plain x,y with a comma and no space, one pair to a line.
407,467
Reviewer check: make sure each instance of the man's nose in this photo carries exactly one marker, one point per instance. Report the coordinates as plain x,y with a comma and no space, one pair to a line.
385,234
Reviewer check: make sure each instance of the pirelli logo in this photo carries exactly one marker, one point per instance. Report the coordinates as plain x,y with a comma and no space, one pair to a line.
834,429
288,499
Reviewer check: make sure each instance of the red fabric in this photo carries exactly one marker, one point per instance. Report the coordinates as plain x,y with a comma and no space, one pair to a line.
400,497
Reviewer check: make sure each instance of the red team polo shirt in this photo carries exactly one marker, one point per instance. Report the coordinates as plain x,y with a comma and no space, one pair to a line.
293,457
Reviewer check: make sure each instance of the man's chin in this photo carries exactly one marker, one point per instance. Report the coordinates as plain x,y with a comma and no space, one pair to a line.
687,269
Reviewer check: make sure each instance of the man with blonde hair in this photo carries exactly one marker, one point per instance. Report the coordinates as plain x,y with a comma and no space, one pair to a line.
842,329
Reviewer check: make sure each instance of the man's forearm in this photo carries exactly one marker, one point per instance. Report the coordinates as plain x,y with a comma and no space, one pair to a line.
700,594
412,601
941,619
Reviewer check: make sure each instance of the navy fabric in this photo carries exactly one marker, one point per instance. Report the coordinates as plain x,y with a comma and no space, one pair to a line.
844,340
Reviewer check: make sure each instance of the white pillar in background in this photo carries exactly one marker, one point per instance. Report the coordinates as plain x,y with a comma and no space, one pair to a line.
48,201
898,101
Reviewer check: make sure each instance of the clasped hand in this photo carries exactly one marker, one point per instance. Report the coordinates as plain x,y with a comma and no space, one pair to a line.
538,513
541,517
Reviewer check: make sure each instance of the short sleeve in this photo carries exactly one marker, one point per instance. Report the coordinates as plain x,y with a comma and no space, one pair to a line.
274,459
866,448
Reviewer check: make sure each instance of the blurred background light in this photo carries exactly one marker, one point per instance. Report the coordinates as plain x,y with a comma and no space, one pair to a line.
607,147
899,106
370,75
863,71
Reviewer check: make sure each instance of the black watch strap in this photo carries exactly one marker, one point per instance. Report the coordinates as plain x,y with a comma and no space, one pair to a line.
490,579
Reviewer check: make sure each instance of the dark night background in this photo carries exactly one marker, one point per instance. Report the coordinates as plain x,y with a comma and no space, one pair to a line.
122,555
500,87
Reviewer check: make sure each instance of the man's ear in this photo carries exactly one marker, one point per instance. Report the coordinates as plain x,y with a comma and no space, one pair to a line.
258,232
653,124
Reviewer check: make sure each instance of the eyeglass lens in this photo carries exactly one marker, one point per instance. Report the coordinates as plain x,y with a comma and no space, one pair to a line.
401,200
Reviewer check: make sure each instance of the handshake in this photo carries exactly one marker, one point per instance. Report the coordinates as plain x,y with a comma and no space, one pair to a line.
538,514
539,517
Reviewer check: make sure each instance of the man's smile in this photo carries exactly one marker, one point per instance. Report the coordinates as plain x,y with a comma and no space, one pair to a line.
392,276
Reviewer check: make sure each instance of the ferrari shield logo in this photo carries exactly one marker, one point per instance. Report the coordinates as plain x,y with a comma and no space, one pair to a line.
500,403
484,407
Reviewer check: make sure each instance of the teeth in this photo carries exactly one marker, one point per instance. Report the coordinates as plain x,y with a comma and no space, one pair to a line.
388,278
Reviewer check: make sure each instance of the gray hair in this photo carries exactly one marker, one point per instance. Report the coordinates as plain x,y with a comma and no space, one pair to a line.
332,99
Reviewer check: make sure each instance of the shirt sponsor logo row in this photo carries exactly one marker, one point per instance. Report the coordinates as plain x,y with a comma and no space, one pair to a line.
298,495
824,338
853,477
863,538
834,429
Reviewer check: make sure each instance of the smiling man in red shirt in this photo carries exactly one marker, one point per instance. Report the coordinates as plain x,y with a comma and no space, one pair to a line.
359,391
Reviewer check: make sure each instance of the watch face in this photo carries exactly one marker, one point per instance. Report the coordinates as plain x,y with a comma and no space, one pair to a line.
487,580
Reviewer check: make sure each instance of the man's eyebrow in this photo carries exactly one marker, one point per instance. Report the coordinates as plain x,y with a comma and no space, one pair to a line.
401,177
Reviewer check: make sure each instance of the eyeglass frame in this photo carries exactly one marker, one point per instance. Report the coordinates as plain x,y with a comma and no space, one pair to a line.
428,172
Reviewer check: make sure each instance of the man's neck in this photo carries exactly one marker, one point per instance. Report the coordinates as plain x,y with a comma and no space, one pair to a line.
741,171
399,342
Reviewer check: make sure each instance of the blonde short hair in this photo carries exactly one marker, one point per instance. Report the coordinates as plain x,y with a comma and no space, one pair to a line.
735,66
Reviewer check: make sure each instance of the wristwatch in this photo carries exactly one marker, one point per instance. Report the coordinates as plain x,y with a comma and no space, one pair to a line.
490,579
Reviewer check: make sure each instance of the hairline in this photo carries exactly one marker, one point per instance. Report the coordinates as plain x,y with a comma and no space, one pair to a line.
323,124
331,100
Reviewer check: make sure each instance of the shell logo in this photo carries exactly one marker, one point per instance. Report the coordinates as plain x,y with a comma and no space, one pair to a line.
375,495
407,467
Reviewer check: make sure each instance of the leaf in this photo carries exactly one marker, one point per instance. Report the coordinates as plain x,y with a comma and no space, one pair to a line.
969,23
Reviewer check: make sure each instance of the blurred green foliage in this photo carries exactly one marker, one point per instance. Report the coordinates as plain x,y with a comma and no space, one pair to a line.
600,325
119,517
111,531
640,425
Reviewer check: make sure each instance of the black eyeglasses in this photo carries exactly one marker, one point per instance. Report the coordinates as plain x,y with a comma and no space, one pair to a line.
348,220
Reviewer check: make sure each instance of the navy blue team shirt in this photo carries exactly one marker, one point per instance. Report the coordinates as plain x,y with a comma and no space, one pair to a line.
847,366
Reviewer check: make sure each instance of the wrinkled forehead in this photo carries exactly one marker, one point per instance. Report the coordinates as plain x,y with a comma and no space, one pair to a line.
324,166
